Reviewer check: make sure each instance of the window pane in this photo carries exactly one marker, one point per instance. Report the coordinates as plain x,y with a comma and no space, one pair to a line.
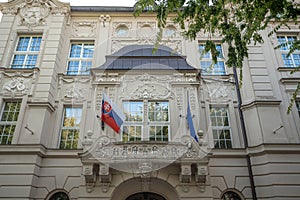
206,63
23,44
158,111
133,111
18,61
9,117
88,51
25,55
31,61
122,31
70,128
35,44
132,133
75,50
220,127
80,59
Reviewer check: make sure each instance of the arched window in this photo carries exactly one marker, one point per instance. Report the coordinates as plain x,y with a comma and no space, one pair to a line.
122,31
230,195
169,31
59,196
145,196
146,31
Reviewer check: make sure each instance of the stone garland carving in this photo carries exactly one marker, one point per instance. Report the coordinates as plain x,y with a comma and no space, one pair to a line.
84,29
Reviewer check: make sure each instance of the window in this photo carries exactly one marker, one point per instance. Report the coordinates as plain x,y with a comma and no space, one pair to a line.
206,64
298,106
285,43
156,125
80,58
231,196
59,196
122,31
26,52
169,31
70,128
9,118
220,127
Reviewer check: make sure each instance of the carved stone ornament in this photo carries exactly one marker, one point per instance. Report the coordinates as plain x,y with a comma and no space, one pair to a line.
217,91
147,87
74,93
34,12
16,86
174,44
84,29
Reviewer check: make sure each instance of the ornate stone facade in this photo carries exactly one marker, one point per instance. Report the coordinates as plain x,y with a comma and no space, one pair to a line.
36,105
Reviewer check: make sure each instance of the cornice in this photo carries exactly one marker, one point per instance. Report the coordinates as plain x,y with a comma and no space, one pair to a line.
261,102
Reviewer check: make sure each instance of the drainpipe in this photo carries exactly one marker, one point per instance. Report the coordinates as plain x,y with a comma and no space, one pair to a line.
249,165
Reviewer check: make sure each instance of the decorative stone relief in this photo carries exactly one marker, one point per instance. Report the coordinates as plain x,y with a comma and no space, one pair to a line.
117,25
186,173
146,87
217,91
104,19
74,93
16,86
192,98
84,29
176,45
10,10
34,12
179,98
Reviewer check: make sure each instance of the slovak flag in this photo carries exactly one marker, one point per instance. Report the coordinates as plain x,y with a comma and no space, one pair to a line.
111,114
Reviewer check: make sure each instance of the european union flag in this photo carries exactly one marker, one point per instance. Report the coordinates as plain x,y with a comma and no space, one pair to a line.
190,122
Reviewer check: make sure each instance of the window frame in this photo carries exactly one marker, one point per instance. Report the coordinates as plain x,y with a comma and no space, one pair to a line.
284,52
221,129
297,103
69,128
27,53
81,59
146,123
207,57
9,123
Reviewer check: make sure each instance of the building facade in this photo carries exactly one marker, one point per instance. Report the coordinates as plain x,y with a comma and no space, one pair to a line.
57,62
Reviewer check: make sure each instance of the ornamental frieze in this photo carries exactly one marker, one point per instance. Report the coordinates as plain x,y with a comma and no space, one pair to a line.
147,87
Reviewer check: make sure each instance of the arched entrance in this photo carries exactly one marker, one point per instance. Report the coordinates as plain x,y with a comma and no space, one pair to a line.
156,189
145,196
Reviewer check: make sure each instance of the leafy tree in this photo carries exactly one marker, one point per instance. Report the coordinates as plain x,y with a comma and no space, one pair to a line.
239,22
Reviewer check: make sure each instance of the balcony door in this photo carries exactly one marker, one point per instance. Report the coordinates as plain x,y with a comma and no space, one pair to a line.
145,196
